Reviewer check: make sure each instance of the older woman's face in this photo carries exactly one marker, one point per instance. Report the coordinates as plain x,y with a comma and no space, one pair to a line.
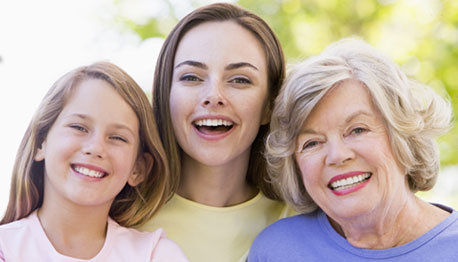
345,157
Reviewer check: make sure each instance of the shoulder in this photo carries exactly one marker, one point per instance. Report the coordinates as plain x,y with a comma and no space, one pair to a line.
286,238
271,209
20,235
168,251
450,224
285,235
19,227
131,235
155,244
289,227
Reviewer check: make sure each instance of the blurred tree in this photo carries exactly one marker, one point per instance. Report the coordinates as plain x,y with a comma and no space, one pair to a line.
420,35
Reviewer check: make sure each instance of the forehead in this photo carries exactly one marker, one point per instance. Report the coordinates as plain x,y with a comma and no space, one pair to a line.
99,98
219,39
341,101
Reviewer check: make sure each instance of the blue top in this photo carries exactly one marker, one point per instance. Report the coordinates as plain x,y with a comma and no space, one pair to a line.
310,237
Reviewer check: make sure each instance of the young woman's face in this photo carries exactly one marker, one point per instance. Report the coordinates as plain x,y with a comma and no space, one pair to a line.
219,92
345,156
90,151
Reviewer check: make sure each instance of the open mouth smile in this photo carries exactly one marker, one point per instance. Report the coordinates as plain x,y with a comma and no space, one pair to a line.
88,172
349,183
213,126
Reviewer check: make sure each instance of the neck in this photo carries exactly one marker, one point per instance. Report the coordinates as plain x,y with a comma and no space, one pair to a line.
218,186
74,231
394,226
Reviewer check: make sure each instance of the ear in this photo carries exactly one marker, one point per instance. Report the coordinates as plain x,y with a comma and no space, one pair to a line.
142,167
267,113
40,155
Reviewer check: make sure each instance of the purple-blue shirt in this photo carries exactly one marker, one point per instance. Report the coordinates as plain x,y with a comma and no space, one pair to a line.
310,237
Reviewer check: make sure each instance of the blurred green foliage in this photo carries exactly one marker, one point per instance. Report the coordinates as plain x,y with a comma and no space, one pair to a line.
420,35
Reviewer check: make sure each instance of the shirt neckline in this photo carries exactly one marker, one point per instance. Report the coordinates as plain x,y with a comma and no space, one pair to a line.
43,238
198,205
389,252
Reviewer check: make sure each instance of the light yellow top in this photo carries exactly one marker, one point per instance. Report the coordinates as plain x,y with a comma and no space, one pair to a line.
207,233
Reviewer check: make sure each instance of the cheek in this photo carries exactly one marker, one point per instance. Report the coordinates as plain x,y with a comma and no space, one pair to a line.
251,106
179,104
310,170
125,159
383,158
174,102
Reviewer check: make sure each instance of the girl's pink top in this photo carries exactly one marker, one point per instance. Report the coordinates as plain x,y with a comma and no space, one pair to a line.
25,240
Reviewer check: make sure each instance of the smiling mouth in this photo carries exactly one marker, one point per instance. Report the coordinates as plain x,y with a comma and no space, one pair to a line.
349,182
88,172
213,126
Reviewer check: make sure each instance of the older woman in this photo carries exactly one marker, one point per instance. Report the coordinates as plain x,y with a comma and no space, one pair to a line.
352,140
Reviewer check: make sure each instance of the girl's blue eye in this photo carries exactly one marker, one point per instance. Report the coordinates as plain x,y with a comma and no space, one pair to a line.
78,127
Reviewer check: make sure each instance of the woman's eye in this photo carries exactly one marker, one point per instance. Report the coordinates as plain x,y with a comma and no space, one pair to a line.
78,127
358,130
190,78
120,138
309,145
240,80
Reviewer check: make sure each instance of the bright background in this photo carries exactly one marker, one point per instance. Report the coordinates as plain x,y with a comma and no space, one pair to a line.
41,40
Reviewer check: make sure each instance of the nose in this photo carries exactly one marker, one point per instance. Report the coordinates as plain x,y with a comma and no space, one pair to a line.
213,95
94,146
339,153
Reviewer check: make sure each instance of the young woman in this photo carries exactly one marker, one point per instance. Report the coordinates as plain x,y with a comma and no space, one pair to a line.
216,79
81,175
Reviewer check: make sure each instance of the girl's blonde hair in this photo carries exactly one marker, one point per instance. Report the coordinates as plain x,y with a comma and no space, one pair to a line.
133,205
414,115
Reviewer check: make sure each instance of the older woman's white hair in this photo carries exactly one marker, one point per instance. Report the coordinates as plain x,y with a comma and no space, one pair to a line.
414,115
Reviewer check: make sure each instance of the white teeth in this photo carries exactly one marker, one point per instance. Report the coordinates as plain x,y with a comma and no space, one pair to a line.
88,172
213,122
349,182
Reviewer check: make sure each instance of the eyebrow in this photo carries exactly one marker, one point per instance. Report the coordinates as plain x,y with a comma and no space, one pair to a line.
115,125
239,65
357,114
347,120
124,127
82,116
204,66
192,63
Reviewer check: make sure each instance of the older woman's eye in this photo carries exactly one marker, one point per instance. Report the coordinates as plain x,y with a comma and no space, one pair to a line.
310,145
358,130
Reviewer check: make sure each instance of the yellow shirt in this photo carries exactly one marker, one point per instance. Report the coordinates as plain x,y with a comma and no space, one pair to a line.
207,233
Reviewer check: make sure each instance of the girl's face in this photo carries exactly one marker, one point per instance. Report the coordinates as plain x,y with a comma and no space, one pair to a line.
90,151
218,98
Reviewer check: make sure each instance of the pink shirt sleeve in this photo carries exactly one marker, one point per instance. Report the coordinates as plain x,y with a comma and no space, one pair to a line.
168,251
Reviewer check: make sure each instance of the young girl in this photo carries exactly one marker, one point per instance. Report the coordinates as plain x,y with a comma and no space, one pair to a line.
90,163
